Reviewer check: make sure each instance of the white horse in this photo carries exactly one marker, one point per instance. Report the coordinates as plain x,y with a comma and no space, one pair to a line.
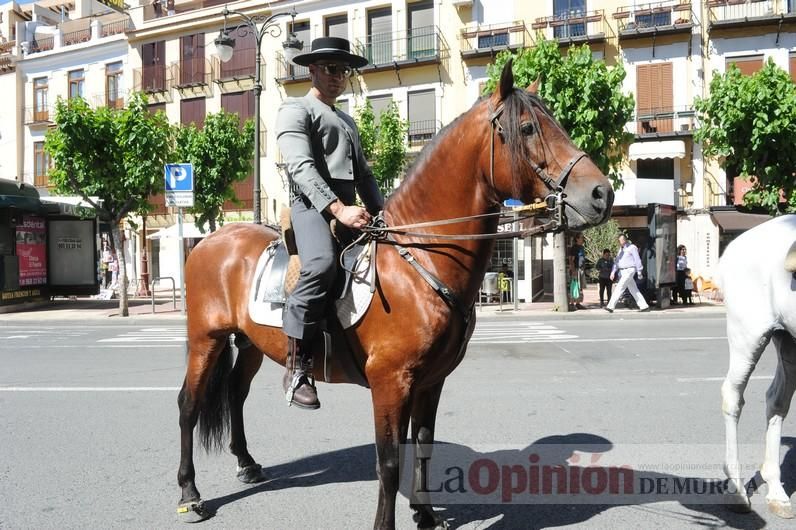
760,296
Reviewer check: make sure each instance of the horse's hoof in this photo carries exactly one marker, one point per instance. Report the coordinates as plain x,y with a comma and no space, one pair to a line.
436,522
193,512
251,474
781,509
738,503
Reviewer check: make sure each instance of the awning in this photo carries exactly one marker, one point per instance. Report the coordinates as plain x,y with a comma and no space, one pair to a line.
68,205
189,231
667,149
29,204
734,221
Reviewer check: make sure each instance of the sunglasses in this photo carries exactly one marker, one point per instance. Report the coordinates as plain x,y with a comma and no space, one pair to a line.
336,70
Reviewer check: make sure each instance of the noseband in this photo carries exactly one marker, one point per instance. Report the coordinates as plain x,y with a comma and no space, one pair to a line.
554,185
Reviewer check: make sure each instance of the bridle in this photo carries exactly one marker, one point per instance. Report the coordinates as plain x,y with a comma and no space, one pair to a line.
554,185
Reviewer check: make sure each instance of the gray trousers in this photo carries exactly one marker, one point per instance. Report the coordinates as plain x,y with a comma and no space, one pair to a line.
306,305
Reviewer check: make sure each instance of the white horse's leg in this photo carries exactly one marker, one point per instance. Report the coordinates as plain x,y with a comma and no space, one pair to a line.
778,399
745,351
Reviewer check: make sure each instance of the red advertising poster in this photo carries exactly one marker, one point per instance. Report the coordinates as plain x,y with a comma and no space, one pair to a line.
31,251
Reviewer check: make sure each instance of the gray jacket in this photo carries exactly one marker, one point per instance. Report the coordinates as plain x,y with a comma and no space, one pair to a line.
324,158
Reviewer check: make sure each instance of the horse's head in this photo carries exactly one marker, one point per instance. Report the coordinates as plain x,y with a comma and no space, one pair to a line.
530,156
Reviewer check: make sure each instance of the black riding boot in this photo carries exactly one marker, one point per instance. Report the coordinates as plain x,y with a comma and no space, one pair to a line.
298,382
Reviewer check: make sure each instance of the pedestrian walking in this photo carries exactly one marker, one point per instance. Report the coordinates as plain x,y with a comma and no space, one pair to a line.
627,265
577,260
605,265
681,265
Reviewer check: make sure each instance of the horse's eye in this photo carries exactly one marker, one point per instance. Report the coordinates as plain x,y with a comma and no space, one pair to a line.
527,128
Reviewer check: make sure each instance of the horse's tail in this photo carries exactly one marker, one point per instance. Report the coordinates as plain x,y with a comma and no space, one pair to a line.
214,422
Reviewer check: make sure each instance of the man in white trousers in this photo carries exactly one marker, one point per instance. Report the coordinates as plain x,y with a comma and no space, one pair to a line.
628,264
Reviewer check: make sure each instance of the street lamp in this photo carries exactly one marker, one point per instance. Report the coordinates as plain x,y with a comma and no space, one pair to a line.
225,44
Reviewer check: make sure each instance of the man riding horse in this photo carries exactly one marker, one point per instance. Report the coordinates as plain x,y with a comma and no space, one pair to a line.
326,168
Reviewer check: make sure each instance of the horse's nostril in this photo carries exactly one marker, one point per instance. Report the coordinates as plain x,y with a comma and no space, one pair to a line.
597,192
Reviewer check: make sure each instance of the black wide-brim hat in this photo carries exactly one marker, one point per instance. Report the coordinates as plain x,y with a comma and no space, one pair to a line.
331,48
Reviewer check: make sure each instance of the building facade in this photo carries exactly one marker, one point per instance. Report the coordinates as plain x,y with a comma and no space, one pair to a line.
430,58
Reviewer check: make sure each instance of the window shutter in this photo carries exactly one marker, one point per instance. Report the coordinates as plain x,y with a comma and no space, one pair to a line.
747,65
379,104
193,111
643,87
337,26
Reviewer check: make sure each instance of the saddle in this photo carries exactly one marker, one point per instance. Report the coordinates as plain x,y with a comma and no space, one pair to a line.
790,259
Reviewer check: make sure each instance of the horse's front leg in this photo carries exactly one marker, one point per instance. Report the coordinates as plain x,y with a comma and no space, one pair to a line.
391,414
778,399
745,351
247,364
424,416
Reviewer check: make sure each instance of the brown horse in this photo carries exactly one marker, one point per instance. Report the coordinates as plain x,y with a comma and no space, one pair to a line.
411,337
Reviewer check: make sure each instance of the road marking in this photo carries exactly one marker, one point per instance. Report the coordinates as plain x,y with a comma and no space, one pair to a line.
518,333
709,379
150,335
89,389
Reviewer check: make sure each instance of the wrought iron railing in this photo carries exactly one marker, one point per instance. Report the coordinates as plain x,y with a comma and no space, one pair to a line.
741,10
242,64
42,44
76,37
152,78
39,114
421,132
117,27
192,72
664,120
576,25
658,15
423,44
488,38
287,71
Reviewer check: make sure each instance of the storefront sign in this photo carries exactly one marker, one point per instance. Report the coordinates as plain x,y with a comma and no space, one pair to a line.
32,251
21,295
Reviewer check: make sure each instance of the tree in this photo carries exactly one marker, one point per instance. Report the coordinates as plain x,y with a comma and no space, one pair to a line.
384,145
584,95
221,154
598,238
113,159
749,122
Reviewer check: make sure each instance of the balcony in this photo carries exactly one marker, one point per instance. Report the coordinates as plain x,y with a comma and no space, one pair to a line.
743,13
39,115
663,122
421,132
287,72
575,27
242,65
152,79
192,73
489,40
416,46
56,37
659,18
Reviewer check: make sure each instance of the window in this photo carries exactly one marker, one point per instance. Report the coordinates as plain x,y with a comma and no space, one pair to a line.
343,105
379,104
379,50
422,41
302,32
747,65
154,66
154,108
654,19
243,61
113,86
192,59
792,65
565,10
336,26
493,39
422,117
41,165
654,93
242,104
40,109
76,81
655,168
193,111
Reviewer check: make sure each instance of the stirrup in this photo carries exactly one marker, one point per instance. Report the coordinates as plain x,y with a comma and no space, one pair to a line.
299,378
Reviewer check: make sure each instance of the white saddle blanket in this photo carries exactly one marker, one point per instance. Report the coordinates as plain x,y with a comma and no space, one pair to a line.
349,308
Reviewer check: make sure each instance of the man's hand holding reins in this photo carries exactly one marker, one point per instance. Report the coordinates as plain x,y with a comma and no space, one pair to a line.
351,216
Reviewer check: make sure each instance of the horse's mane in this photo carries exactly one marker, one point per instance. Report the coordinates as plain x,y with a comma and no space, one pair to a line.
517,101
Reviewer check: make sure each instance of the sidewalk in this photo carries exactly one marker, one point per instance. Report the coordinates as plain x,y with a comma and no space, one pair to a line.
141,310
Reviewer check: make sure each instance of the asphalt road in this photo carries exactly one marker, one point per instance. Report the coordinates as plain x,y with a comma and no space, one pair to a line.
90,436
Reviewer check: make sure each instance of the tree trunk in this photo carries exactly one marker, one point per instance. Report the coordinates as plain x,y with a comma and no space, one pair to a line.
560,298
212,223
121,275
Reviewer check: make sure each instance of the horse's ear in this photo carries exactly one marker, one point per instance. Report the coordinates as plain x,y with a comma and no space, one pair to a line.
506,84
533,88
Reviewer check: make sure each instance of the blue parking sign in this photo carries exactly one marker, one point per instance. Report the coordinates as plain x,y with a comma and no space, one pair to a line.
179,177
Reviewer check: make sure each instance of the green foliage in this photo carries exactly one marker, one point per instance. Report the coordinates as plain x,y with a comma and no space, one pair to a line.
114,155
584,95
390,156
384,145
113,159
600,237
749,122
221,154
366,123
